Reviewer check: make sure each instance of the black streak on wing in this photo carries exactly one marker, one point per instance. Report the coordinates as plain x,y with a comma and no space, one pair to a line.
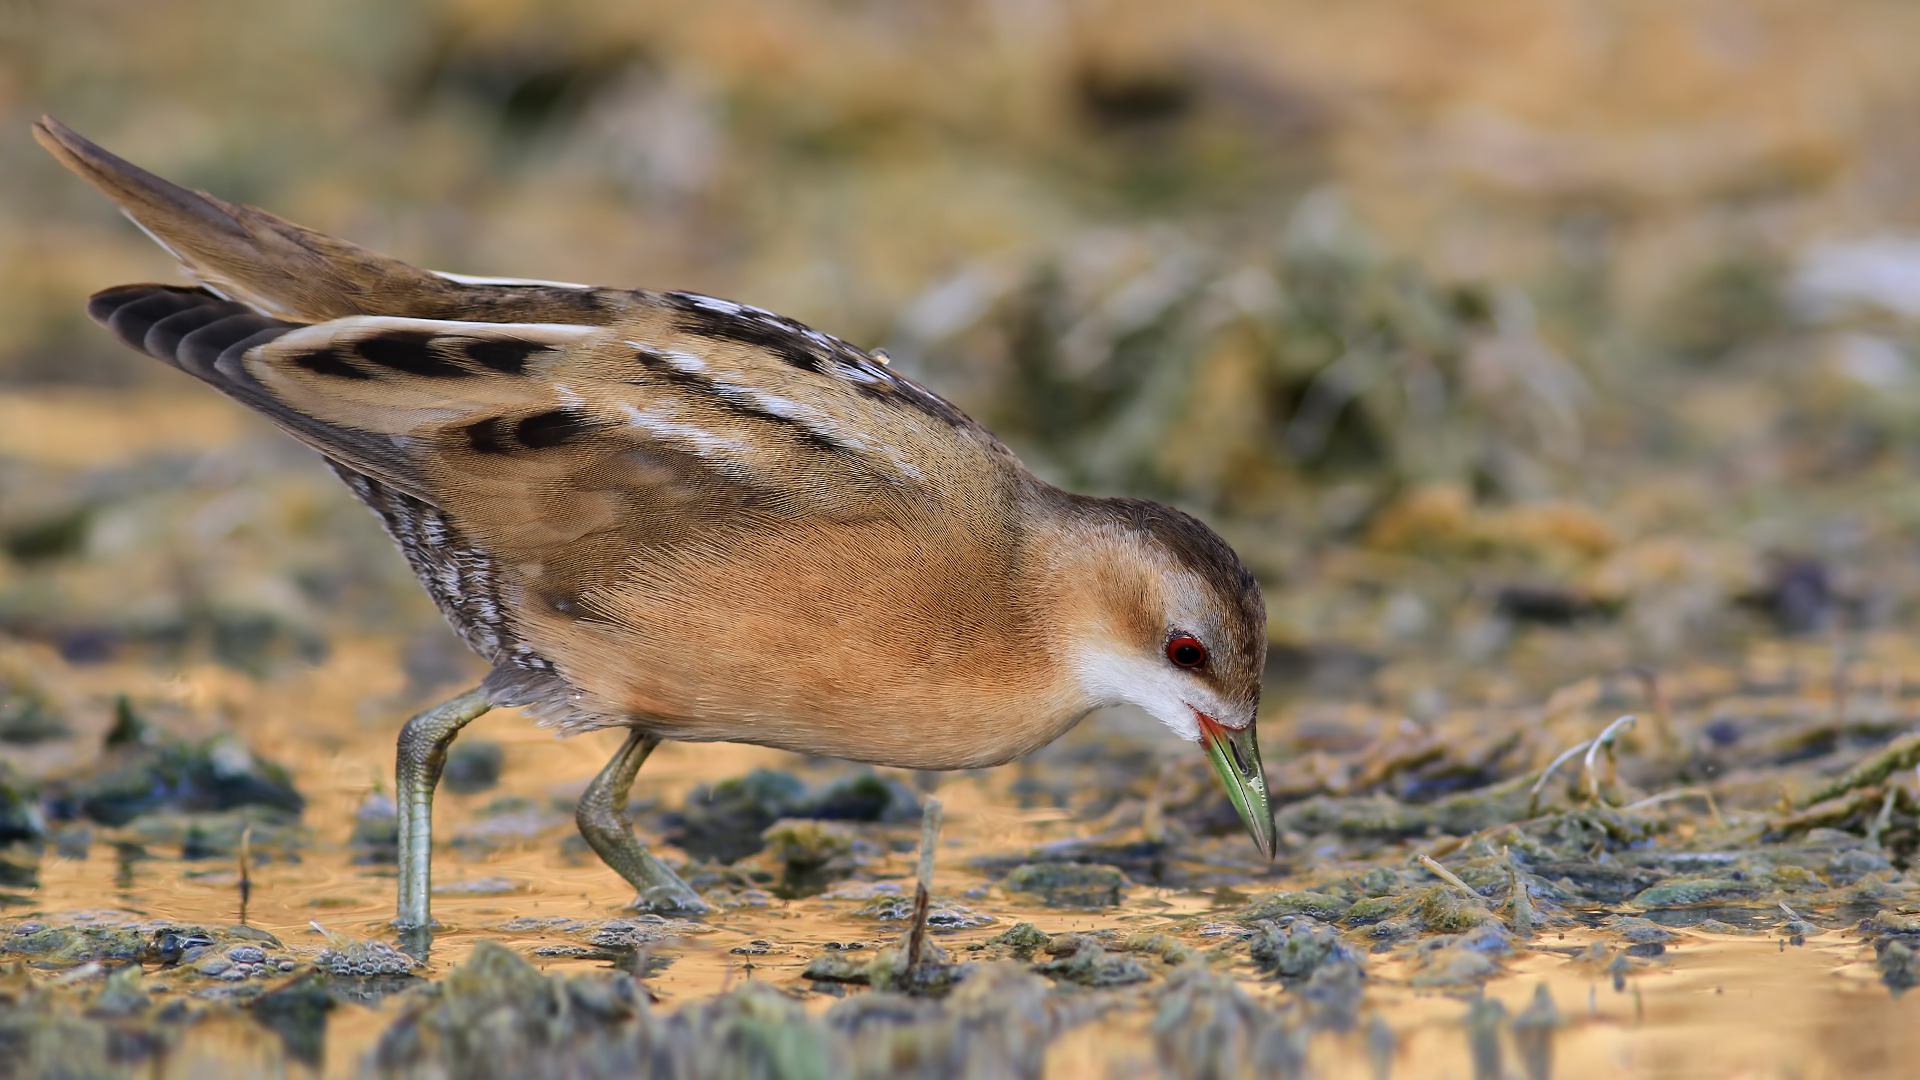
485,436
763,330
410,351
799,346
916,397
500,354
548,429
325,361
540,431
736,402
658,366
421,353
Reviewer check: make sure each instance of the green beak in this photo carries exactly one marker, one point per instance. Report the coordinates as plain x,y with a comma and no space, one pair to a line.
1236,757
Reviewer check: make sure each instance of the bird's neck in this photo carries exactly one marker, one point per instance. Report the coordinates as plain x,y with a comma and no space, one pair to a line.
1091,590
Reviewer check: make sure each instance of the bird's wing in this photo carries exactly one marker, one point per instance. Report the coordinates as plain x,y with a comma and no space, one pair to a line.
382,366
529,444
766,414
554,443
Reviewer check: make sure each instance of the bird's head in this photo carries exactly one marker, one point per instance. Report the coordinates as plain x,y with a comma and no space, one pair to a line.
1177,626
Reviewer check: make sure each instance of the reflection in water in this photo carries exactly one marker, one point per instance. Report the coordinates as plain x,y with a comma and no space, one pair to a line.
1723,993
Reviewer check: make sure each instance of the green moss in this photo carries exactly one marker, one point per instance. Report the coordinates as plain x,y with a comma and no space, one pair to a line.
69,946
1166,947
1378,881
1274,905
1371,910
1446,911
19,808
837,967
26,714
1794,878
1069,884
1298,950
1693,891
812,855
1090,965
1023,938
724,822
1455,967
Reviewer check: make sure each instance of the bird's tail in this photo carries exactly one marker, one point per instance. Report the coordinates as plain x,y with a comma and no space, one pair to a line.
248,255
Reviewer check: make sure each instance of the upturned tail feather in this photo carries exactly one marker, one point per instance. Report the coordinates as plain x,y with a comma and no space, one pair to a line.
289,272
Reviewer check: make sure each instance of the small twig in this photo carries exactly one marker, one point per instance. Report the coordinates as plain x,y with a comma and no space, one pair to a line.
1519,901
923,889
1605,740
1713,807
1533,794
246,879
1447,876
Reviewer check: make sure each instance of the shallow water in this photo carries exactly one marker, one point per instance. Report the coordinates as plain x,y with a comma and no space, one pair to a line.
1704,1003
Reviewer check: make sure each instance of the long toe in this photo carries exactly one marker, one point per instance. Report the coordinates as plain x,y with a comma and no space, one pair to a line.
673,897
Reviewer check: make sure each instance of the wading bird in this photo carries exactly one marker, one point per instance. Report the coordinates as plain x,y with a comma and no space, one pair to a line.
693,519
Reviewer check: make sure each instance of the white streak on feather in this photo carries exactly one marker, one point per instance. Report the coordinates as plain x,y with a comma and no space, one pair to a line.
704,442
681,361
714,303
855,373
355,327
814,419
469,279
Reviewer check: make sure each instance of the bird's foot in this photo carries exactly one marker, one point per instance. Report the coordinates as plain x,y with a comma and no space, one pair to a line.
671,898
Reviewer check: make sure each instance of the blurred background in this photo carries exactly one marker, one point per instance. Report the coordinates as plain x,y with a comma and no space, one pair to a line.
1508,341
1546,359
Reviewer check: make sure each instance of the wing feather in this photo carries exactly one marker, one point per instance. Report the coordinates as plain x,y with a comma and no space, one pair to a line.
562,464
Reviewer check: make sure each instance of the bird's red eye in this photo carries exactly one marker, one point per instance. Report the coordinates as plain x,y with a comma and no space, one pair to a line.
1186,652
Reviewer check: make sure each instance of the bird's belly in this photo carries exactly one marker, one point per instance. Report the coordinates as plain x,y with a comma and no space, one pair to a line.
933,739
866,644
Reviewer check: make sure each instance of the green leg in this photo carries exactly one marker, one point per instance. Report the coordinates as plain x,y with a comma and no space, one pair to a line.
602,816
422,754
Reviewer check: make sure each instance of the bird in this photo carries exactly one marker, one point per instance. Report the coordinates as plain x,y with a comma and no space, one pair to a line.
693,519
